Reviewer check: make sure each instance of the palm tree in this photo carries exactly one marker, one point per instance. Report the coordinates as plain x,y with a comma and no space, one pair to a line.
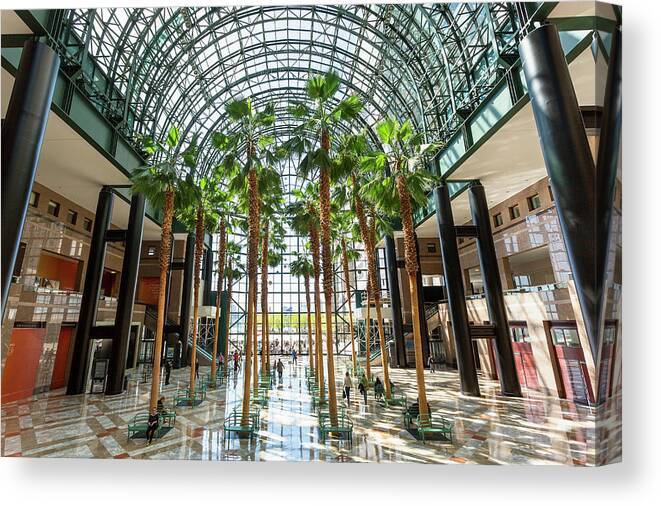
351,149
272,245
274,253
343,228
304,219
159,182
203,195
324,118
394,192
302,268
233,270
256,171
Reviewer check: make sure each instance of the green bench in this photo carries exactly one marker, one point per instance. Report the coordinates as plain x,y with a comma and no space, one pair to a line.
428,425
139,423
184,396
262,398
169,415
234,423
343,427
395,400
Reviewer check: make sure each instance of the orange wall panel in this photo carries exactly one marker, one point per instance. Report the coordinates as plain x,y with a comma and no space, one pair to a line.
20,371
60,366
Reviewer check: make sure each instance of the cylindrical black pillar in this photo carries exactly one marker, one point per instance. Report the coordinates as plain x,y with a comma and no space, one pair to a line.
186,294
90,298
454,286
395,301
421,305
610,138
208,277
129,280
168,285
568,162
22,136
493,292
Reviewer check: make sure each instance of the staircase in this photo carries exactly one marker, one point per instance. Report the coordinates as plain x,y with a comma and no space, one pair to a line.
204,345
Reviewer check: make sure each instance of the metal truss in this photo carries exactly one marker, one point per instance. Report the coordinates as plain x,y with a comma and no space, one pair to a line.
148,68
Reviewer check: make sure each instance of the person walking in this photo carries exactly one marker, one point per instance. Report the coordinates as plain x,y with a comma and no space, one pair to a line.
293,356
168,370
347,388
152,424
197,369
362,387
236,361
280,367
432,364
378,389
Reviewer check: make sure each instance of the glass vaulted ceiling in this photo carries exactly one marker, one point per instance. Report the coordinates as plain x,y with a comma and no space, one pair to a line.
430,63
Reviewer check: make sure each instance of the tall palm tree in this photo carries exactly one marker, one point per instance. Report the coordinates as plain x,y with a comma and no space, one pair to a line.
274,255
343,228
159,182
325,117
203,196
225,144
272,245
233,270
302,268
256,171
350,150
304,219
408,182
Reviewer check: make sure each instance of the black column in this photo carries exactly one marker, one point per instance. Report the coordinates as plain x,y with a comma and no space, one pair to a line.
569,164
22,136
395,300
493,292
208,277
90,298
124,314
454,286
168,285
610,137
186,293
421,304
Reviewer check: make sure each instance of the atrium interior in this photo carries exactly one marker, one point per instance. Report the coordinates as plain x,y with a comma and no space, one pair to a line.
338,233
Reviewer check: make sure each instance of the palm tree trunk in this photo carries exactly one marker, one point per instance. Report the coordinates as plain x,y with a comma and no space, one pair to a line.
410,249
164,260
314,246
219,291
255,357
306,280
228,306
199,245
368,331
327,265
265,300
376,296
253,239
345,268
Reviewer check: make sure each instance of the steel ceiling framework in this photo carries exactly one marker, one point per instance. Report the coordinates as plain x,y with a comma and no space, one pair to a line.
149,68
145,69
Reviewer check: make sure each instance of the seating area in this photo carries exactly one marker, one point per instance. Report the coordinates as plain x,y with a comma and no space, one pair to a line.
235,424
342,428
184,397
426,425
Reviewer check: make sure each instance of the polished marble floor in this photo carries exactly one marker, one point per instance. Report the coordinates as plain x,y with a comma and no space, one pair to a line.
488,430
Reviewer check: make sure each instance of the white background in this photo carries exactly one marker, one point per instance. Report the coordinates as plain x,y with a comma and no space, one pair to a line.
635,481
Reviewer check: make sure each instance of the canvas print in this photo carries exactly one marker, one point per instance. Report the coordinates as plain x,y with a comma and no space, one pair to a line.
337,233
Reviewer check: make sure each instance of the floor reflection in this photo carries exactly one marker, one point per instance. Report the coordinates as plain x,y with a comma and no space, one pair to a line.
488,430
